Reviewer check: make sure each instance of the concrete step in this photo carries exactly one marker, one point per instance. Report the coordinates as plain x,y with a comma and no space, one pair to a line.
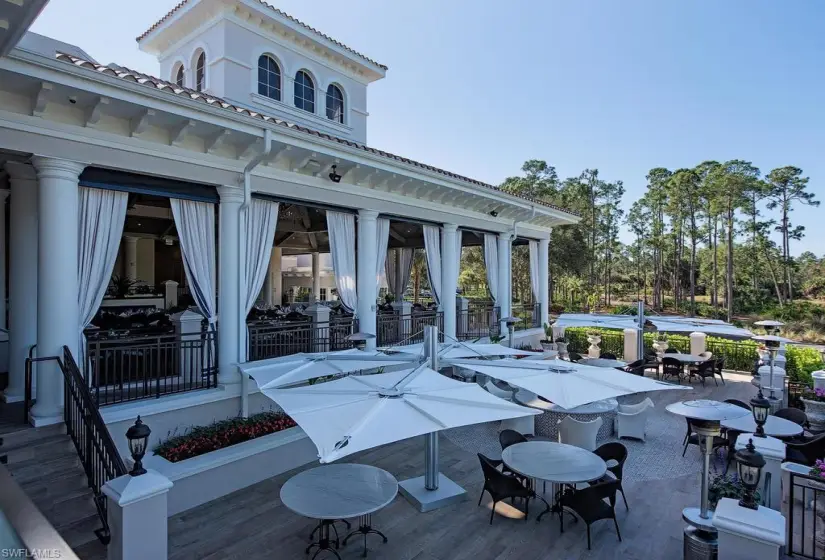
82,530
45,469
42,447
21,435
67,512
93,550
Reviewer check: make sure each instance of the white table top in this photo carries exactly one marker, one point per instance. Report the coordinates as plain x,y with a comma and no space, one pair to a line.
339,491
686,358
554,462
531,399
776,427
602,362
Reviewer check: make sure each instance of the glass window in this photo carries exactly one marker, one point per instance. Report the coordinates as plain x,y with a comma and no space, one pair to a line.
269,77
304,92
179,79
335,104
200,73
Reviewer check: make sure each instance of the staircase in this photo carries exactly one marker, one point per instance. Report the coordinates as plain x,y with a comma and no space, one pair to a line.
45,464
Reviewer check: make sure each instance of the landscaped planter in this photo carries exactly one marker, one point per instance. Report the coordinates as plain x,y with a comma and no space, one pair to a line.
215,474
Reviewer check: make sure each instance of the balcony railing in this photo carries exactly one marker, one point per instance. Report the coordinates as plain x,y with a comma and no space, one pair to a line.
129,367
805,512
395,329
273,339
480,320
529,315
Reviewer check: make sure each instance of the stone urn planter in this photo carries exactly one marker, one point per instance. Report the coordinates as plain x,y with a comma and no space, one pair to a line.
593,351
549,346
660,346
562,349
816,414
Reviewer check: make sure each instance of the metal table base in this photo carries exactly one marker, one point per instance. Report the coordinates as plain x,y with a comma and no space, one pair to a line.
324,542
365,528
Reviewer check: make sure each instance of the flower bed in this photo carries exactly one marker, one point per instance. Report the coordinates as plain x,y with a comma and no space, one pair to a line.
204,439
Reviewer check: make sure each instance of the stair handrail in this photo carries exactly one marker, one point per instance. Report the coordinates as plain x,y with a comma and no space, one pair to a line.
94,444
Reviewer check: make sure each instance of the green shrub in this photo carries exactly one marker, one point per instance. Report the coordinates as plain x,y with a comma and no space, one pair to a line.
801,362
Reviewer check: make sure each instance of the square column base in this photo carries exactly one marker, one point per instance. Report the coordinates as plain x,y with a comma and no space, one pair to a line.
448,493
747,534
40,421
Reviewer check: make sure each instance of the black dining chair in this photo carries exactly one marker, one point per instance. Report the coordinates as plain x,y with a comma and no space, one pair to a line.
613,451
507,438
806,453
501,486
692,438
737,402
798,417
608,356
636,368
671,367
671,351
589,505
719,365
704,370
574,356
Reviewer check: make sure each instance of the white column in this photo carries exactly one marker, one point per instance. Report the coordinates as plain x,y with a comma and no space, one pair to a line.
130,257
277,277
316,277
229,284
22,275
137,513
320,324
631,345
366,284
698,342
544,281
504,293
449,277
57,307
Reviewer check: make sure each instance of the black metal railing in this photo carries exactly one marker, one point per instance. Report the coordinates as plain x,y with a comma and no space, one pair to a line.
133,367
273,339
394,329
480,320
95,447
611,343
528,314
806,516
739,356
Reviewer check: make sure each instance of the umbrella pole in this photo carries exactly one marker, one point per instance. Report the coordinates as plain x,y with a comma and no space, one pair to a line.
433,490
431,439
640,337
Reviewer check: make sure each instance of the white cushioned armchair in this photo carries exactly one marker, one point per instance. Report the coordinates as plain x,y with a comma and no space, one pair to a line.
631,419
578,433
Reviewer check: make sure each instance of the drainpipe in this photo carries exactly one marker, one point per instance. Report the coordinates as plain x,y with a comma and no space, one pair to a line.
246,181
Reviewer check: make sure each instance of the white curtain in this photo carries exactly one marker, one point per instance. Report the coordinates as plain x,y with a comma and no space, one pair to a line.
432,246
534,269
100,228
195,222
259,221
382,240
341,228
491,264
399,269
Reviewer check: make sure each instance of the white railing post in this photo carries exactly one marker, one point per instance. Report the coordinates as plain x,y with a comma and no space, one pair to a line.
170,294
187,334
137,515
320,327
631,345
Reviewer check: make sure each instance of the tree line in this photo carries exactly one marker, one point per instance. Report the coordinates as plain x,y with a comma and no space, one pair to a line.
701,232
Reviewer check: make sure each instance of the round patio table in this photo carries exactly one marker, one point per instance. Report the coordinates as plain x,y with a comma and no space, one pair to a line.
557,463
686,358
332,492
776,427
602,362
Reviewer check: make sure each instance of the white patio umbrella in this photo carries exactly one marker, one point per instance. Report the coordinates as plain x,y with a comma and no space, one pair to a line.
355,413
289,370
567,385
455,350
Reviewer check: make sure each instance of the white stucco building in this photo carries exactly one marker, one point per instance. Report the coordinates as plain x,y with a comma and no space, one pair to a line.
255,122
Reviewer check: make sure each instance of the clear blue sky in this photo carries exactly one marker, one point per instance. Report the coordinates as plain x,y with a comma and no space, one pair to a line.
478,87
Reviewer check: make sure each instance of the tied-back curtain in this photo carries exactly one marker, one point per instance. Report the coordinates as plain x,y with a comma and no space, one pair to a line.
260,220
381,248
100,228
534,269
399,269
491,264
432,246
341,228
195,222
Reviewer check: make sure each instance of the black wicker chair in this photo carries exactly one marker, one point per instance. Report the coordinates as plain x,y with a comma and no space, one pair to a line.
590,506
671,351
608,356
671,367
719,365
806,453
501,486
636,368
794,415
507,438
705,370
737,402
574,356
613,451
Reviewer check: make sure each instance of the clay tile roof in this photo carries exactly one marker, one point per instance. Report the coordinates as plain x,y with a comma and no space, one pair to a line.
174,89
280,13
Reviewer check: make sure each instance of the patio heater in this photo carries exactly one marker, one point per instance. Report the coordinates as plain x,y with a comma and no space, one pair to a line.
640,335
772,343
359,339
433,490
705,416
511,327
